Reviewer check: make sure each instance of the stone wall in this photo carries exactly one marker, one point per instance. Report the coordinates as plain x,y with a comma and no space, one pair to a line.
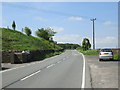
19,57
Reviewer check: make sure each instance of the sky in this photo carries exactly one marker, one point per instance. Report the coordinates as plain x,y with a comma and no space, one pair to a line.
71,20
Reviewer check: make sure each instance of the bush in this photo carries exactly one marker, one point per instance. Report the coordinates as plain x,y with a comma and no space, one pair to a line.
27,31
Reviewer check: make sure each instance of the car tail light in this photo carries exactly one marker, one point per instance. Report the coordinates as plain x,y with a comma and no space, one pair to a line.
100,53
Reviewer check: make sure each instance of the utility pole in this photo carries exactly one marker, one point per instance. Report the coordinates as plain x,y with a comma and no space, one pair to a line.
93,32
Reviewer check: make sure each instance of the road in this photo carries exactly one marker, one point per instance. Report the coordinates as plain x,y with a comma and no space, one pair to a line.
63,71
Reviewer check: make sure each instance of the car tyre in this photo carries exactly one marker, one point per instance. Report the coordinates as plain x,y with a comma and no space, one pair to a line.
100,59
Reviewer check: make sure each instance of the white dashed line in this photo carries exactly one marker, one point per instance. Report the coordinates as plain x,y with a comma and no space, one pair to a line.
63,59
50,65
59,62
30,75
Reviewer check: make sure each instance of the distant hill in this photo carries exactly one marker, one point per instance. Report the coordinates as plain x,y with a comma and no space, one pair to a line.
15,40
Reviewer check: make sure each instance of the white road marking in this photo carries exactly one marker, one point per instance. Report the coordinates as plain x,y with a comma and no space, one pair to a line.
83,75
30,75
11,69
30,63
59,62
27,65
63,59
50,65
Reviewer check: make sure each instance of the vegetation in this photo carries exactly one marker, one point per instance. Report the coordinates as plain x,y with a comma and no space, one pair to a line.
69,46
45,34
117,57
13,25
53,54
15,40
85,49
89,52
86,44
27,31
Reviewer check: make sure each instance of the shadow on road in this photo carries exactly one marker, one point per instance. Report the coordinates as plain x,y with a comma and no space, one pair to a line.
111,60
4,68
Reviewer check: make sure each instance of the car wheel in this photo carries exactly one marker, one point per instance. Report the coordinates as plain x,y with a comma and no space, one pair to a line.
112,59
100,59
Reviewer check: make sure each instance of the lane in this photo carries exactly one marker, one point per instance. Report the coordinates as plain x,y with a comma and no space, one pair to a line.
63,73
15,74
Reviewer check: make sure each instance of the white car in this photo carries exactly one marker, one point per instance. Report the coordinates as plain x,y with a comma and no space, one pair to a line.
106,54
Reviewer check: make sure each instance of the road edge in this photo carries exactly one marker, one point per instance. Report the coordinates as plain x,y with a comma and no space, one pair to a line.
86,83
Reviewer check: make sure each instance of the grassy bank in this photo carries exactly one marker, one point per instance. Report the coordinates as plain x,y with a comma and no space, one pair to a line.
53,54
15,40
88,52
46,55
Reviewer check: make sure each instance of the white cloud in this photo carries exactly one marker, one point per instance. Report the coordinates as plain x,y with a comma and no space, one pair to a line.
108,23
57,29
75,18
107,40
40,19
68,38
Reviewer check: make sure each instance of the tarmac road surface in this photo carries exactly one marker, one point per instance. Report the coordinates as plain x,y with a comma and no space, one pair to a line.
67,70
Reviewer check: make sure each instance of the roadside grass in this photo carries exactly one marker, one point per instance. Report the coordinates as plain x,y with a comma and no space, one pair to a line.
117,57
47,55
89,52
53,54
15,40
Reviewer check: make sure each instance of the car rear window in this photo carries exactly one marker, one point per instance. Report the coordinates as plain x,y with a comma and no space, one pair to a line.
106,50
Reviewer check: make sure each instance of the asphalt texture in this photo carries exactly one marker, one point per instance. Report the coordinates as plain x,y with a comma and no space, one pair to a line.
104,74
62,71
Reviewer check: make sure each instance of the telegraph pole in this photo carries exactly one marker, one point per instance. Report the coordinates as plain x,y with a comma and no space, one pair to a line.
93,32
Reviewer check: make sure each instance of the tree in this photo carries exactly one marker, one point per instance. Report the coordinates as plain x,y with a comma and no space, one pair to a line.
42,34
86,44
13,25
27,31
45,34
51,34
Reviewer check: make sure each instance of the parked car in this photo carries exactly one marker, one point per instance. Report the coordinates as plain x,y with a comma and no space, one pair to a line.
106,54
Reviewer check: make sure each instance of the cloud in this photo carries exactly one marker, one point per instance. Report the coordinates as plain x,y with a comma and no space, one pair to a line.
108,23
40,19
57,29
68,38
75,18
107,40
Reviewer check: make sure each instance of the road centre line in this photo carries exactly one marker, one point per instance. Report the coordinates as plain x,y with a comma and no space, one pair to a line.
30,64
50,65
30,75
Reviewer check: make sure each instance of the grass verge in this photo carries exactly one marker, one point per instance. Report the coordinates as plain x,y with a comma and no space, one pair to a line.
117,57
53,54
90,52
